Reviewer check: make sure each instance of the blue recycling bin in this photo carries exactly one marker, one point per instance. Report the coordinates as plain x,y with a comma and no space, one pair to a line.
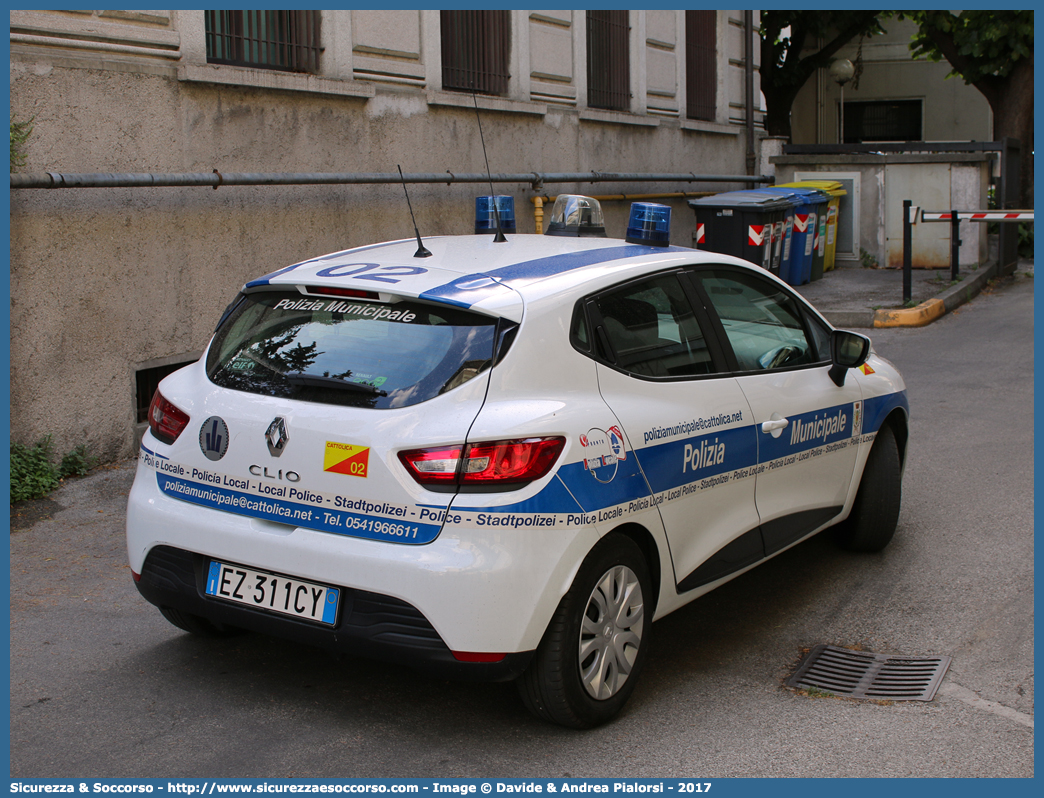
809,203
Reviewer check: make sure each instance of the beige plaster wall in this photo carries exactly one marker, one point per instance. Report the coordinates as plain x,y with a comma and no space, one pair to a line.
107,281
952,110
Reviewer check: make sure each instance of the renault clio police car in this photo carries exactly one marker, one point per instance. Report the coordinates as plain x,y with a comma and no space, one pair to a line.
504,459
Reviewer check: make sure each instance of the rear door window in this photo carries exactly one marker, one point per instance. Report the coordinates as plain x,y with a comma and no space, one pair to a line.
347,351
651,330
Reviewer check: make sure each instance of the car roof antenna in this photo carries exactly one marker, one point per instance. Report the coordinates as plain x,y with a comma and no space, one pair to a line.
499,237
422,251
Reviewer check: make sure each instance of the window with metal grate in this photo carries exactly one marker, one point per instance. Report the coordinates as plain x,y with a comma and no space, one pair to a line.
284,40
883,120
475,50
701,71
608,60
146,382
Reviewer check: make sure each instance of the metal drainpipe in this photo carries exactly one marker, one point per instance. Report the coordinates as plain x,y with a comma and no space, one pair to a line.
538,214
748,77
820,99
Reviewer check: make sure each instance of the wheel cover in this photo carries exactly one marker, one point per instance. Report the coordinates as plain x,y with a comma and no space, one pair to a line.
611,632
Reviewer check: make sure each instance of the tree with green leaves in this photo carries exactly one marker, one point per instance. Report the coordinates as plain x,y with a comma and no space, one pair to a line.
787,57
992,51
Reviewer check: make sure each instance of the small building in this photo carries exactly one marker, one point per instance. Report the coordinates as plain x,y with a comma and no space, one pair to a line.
895,98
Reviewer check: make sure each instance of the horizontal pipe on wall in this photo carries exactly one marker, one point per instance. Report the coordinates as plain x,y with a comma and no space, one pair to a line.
216,179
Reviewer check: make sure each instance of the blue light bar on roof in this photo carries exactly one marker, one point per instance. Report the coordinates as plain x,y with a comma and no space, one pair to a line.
485,218
650,224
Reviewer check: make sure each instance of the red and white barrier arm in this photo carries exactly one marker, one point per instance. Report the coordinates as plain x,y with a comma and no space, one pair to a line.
977,216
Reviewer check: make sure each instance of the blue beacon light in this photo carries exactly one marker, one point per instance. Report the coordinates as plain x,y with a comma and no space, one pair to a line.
486,219
650,224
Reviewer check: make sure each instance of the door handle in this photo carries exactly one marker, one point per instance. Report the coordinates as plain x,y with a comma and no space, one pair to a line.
775,426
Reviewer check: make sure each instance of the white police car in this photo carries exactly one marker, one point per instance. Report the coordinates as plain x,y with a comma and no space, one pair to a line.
508,458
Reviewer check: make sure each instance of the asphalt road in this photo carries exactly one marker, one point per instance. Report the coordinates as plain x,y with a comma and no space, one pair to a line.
102,686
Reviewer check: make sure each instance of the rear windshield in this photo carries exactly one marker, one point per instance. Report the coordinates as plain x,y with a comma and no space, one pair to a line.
346,351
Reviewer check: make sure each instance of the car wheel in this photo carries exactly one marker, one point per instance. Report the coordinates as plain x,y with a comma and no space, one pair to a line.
875,513
197,624
586,666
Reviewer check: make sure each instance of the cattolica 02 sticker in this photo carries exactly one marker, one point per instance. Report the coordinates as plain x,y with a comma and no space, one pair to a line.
346,458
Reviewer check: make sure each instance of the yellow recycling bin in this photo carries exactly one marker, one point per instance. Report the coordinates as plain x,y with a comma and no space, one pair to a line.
827,234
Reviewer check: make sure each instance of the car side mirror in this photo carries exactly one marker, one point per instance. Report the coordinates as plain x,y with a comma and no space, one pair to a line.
848,350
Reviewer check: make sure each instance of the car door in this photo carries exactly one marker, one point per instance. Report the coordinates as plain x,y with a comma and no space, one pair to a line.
807,427
688,425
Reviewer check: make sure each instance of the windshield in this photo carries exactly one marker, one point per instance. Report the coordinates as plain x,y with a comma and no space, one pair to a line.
346,351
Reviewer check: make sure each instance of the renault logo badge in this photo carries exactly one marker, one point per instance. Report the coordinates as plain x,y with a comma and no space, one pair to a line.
277,436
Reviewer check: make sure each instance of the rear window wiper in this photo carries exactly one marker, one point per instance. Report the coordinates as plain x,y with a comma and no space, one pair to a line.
315,381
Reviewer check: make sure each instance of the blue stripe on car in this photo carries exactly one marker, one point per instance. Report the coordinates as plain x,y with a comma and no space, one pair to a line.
877,408
267,279
665,465
470,289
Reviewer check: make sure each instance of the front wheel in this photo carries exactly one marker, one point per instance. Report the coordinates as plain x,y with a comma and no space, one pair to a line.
875,513
586,666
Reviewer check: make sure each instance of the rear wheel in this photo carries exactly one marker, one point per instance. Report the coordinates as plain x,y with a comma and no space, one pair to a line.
587,664
875,513
197,624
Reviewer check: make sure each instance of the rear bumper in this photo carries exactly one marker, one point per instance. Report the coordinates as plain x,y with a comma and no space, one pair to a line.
487,589
370,625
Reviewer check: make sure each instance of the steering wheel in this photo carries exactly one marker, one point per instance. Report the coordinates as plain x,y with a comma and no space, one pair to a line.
780,356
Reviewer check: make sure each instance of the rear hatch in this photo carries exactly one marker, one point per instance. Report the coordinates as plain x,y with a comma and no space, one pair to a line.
306,397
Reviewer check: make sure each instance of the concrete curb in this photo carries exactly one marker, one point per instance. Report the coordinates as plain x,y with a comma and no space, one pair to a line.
919,316
923,314
937,307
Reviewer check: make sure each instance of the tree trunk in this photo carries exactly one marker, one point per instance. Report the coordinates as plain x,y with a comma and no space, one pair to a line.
777,113
1011,100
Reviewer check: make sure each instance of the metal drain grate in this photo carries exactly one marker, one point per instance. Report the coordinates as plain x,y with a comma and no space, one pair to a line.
860,674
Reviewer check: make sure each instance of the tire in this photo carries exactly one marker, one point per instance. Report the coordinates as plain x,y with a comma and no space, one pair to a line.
197,624
875,513
587,664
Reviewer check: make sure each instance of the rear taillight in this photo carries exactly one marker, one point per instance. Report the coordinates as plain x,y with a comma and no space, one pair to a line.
433,466
165,420
510,461
489,463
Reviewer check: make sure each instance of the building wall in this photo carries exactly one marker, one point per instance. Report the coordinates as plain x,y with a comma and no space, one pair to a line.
952,110
106,282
